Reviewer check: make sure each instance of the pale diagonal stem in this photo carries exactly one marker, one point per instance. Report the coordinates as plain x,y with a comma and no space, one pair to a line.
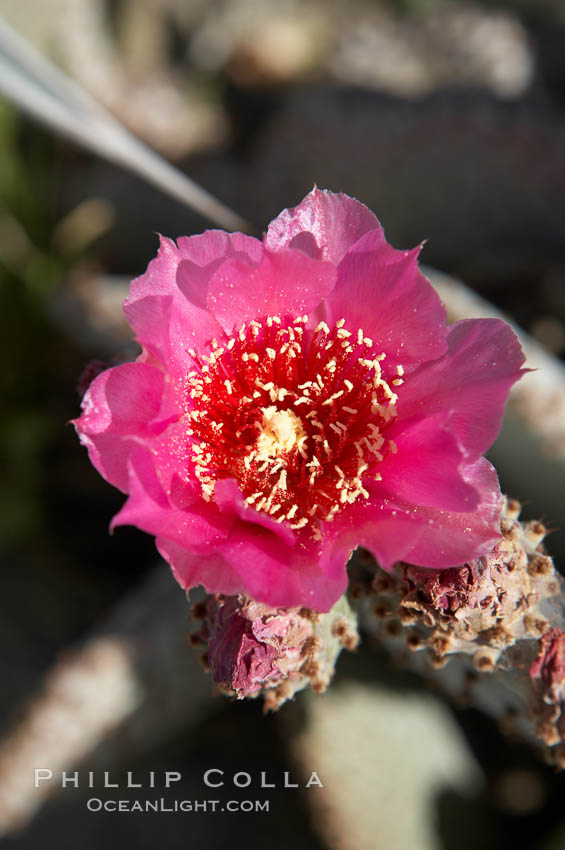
45,92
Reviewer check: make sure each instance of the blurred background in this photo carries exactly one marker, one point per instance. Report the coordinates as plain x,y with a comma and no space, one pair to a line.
447,119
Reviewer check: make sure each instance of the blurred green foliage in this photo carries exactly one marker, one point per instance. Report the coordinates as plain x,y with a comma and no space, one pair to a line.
29,271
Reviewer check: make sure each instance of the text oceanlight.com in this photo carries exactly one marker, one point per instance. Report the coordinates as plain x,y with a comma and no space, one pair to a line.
94,804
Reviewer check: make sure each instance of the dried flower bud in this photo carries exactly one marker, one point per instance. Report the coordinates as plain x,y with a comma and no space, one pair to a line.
253,648
549,666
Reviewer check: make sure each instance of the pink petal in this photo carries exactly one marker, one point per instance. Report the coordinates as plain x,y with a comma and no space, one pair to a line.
279,575
284,283
426,470
449,538
384,533
253,561
172,451
424,536
149,509
382,291
123,406
471,380
324,225
212,245
167,305
191,569
228,497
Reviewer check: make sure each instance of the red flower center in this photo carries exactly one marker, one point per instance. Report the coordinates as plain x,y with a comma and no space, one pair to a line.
297,416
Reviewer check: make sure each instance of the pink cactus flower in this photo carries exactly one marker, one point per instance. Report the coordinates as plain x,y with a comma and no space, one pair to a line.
295,398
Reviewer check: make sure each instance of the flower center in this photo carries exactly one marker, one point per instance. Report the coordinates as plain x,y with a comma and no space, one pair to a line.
298,416
282,431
